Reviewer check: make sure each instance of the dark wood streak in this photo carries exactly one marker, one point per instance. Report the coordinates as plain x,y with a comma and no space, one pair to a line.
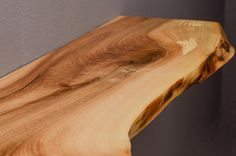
179,84
150,112
209,66
225,45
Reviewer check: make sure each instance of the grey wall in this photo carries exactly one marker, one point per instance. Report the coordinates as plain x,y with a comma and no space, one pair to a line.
189,126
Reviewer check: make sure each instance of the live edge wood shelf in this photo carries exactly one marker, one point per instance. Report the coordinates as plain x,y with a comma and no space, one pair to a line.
89,97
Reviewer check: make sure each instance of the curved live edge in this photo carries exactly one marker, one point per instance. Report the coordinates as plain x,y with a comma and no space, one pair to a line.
91,96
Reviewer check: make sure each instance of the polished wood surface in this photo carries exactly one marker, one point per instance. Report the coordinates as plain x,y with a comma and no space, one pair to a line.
89,97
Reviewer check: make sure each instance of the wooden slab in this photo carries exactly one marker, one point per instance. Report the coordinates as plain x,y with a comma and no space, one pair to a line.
89,97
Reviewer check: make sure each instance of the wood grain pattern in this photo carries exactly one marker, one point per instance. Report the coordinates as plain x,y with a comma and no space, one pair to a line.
92,95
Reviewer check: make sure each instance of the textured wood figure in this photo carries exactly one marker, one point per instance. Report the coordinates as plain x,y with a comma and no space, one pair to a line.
89,97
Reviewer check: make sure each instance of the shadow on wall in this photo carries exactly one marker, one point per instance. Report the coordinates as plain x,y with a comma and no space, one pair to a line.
183,9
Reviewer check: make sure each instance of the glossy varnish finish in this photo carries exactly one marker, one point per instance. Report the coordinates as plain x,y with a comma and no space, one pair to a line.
94,94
